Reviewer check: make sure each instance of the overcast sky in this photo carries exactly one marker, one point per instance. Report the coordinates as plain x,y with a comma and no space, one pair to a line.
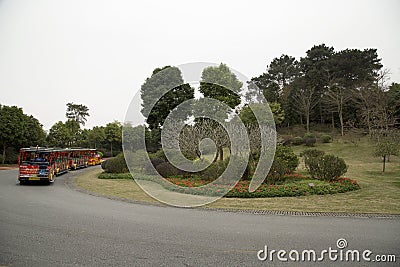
98,53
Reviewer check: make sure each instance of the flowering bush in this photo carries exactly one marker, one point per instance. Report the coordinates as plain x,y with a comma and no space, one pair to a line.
294,185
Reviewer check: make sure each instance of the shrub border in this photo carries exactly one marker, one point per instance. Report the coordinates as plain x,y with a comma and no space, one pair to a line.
342,185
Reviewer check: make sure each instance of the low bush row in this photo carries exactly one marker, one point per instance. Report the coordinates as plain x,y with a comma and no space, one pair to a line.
308,139
300,187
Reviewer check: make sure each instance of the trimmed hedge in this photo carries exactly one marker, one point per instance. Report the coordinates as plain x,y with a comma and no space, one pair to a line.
294,185
105,175
116,164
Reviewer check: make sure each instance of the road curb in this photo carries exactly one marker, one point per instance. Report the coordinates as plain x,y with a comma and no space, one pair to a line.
70,182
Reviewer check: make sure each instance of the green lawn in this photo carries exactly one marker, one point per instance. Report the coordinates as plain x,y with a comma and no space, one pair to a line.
380,193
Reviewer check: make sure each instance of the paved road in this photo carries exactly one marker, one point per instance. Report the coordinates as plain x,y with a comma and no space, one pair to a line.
54,225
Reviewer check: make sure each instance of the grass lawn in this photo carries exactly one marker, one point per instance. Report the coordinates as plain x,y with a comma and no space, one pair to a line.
380,193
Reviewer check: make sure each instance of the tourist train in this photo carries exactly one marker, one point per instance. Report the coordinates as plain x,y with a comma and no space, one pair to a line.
44,164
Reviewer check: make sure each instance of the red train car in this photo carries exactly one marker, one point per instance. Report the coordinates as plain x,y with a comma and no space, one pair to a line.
36,164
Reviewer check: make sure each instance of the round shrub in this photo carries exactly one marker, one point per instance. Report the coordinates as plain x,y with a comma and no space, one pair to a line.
286,140
298,140
311,153
158,155
278,170
136,160
326,138
166,169
103,165
214,170
327,167
116,164
309,135
286,154
311,159
150,166
310,141
157,161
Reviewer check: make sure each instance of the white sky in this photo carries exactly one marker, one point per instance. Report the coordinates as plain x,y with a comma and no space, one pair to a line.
98,53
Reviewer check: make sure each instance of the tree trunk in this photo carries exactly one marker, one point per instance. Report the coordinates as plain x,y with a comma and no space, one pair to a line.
320,113
333,121
341,115
308,122
221,153
384,163
341,122
369,124
4,154
216,156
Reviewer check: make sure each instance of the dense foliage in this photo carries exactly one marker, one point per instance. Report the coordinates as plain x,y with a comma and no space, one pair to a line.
115,164
18,130
325,167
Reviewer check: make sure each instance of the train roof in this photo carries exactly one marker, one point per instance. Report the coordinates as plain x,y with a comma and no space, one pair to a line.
34,149
52,149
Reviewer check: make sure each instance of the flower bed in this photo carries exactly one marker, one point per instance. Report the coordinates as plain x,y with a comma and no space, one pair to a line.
290,186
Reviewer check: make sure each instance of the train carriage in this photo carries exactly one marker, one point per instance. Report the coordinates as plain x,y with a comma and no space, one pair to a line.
79,158
94,158
61,158
36,164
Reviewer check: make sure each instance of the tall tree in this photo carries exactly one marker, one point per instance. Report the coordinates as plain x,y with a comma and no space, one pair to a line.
113,132
161,93
348,71
96,136
74,132
33,131
305,97
77,112
248,118
133,137
314,68
59,135
280,73
221,84
18,129
394,101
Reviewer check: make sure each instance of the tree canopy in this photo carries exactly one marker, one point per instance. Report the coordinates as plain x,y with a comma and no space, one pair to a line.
77,112
18,129
161,93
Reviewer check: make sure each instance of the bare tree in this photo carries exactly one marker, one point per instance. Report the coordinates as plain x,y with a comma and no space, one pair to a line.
191,136
335,97
305,100
372,98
